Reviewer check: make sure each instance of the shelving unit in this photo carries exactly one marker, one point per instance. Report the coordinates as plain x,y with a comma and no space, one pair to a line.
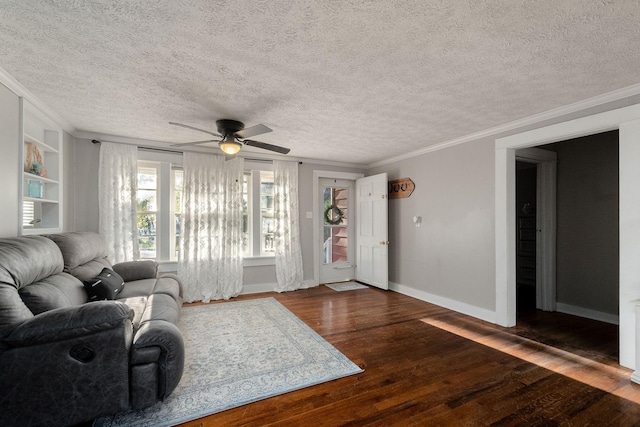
40,210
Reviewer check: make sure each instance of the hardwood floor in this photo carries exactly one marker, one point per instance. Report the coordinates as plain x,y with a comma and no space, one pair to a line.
425,365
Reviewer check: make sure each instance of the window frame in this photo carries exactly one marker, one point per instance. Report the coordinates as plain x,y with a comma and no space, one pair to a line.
165,237
257,258
155,166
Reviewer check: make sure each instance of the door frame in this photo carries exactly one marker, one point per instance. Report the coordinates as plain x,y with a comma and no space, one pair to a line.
546,163
317,175
627,121
339,270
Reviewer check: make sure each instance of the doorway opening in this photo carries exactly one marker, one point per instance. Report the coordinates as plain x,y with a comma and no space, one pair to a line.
586,294
627,121
338,248
526,222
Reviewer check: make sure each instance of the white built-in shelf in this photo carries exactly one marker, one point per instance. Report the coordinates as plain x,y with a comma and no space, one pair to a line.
40,144
40,215
28,175
39,200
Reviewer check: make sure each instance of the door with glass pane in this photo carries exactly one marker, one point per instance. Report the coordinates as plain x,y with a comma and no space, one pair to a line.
337,234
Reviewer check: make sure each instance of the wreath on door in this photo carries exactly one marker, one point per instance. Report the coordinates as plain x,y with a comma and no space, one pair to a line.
330,211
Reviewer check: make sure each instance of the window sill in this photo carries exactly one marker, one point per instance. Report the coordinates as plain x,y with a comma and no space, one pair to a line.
258,261
172,266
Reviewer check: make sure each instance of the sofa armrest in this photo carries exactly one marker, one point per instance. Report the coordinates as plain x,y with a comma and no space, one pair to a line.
67,366
162,341
136,270
68,323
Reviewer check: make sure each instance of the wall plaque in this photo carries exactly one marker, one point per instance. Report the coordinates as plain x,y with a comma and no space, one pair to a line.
401,188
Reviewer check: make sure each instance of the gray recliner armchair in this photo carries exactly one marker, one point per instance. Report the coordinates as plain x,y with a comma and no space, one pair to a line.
65,360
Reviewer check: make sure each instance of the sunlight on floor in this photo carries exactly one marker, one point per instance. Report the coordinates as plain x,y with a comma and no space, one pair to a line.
614,380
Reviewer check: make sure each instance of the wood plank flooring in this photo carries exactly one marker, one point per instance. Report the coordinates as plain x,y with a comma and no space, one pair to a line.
425,365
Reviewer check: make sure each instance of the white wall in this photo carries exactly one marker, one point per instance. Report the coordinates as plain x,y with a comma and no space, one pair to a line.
9,161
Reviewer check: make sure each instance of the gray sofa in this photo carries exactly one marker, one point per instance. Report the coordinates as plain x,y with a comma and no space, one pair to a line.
65,360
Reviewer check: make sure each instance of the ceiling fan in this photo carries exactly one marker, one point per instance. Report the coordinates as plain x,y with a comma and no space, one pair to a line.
233,135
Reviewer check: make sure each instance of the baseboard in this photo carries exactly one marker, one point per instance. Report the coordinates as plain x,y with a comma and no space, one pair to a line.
460,307
587,313
259,288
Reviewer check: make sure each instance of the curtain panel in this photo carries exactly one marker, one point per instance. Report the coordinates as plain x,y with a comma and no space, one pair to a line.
288,251
210,263
117,179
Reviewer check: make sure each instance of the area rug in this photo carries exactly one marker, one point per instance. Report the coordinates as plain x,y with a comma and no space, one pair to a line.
237,353
346,286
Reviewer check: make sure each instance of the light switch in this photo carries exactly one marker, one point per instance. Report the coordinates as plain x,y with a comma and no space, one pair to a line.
309,214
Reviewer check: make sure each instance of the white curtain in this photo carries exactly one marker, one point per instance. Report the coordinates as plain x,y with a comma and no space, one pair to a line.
289,272
117,176
210,263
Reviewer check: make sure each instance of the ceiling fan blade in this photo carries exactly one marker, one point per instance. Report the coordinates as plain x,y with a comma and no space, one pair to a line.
194,128
253,131
266,146
193,143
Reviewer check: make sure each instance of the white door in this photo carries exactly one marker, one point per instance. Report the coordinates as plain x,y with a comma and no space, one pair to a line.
372,237
337,263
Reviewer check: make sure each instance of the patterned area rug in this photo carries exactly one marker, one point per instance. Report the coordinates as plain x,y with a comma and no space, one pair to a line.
346,286
238,353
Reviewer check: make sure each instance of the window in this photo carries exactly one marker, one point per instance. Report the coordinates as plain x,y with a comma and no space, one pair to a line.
147,209
160,204
159,209
177,176
258,223
28,214
267,222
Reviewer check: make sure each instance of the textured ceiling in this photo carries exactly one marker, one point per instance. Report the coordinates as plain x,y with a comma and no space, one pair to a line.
354,81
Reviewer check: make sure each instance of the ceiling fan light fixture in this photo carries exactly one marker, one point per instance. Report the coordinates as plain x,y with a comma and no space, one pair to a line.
229,145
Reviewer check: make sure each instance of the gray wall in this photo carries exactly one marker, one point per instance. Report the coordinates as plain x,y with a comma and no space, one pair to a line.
587,222
85,171
69,182
452,253
9,161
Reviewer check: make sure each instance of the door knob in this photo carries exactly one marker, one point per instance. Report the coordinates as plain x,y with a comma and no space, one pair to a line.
384,242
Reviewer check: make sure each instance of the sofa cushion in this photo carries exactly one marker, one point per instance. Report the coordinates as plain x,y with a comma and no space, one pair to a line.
56,291
106,285
138,288
12,309
161,307
168,286
84,252
137,306
27,259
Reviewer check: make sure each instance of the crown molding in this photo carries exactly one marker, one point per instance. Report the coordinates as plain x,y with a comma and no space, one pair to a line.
595,101
16,87
161,145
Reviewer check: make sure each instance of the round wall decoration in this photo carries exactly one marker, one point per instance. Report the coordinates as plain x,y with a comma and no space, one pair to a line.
330,211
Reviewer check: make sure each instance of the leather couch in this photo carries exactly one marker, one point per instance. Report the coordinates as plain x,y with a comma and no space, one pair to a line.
65,360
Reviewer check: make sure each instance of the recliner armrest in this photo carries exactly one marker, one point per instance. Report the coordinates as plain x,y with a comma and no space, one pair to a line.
136,270
69,322
67,366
